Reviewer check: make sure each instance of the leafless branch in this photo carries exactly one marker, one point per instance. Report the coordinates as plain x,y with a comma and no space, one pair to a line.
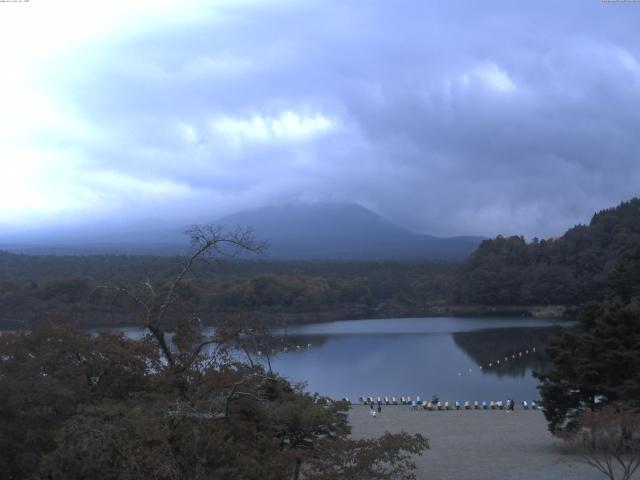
610,441
206,240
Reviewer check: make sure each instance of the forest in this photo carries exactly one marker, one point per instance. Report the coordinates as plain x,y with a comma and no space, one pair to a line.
506,274
569,270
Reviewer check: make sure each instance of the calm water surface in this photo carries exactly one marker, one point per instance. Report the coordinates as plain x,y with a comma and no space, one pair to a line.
417,356
420,356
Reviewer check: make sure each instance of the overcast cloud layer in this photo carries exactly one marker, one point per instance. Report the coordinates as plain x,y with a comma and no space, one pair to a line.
460,117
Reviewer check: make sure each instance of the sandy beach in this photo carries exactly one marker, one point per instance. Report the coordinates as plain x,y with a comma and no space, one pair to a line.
478,444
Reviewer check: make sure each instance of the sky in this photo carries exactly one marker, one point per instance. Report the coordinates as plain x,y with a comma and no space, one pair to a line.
448,118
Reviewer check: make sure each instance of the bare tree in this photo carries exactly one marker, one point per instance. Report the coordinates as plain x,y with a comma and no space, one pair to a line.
157,303
609,441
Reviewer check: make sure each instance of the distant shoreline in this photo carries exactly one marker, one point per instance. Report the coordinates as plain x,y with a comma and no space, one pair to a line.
559,312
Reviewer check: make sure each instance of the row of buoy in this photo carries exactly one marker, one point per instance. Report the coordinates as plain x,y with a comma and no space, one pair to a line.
513,356
285,349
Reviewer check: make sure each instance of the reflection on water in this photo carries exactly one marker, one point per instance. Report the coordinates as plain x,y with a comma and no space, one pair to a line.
410,357
423,357
506,351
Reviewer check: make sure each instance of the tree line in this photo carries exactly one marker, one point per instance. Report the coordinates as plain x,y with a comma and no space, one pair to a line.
569,270
507,271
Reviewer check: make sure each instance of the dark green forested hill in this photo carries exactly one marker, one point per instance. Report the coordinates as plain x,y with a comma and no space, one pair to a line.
33,286
569,270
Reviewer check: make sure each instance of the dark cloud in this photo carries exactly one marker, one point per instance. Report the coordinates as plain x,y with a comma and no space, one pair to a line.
458,117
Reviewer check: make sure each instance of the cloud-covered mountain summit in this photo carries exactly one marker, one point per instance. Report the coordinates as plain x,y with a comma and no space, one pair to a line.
292,231
343,231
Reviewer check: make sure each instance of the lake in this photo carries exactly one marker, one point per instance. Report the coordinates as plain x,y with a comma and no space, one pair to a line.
454,358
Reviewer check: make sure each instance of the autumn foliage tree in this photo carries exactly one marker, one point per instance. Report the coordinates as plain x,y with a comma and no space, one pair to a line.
176,404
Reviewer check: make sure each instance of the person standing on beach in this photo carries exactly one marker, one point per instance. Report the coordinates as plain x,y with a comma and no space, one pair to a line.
510,404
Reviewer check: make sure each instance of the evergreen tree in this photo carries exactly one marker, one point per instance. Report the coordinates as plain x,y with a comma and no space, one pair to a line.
594,363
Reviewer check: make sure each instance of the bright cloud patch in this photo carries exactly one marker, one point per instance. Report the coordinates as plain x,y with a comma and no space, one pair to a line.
288,126
490,76
629,62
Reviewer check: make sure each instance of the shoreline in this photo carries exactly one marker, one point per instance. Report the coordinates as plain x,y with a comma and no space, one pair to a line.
478,444
558,312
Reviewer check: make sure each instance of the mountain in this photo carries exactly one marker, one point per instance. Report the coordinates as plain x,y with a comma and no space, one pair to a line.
296,231
343,231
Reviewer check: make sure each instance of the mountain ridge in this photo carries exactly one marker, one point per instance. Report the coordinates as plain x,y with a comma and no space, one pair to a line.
294,231
349,231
